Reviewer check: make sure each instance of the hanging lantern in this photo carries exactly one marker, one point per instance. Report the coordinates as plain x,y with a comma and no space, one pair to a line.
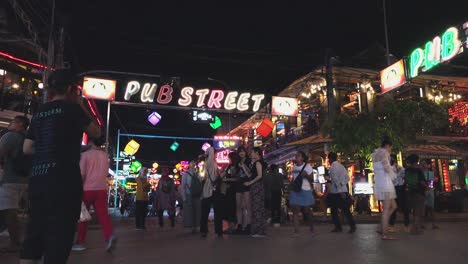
135,167
132,147
155,165
174,146
217,123
206,146
265,128
154,118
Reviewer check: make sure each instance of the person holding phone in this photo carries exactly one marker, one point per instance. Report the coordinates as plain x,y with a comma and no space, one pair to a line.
56,186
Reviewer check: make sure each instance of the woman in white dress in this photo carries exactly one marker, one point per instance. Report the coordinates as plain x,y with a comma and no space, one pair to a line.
384,190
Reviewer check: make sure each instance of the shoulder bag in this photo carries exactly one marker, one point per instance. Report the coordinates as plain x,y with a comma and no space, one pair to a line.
296,185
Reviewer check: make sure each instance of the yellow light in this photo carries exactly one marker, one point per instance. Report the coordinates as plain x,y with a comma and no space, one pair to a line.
22,79
35,92
132,147
155,165
15,85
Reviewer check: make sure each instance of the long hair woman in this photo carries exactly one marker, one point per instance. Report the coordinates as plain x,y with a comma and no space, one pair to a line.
211,196
243,205
230,177
384,188
257,194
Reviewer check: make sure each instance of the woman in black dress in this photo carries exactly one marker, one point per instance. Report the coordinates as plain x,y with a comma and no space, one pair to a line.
230,178
257,193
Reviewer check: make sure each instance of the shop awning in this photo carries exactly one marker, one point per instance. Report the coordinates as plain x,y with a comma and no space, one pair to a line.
317,139
435,151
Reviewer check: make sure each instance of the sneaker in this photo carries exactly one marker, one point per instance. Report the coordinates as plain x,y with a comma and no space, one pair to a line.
78,247
276,225
111,244
4,234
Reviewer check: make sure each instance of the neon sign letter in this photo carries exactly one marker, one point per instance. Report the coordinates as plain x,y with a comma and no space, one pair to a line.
416,61
243,103
186,96
165,94
450,44
215,99
147,93
257,101
132,88
230,102
432,53
201,96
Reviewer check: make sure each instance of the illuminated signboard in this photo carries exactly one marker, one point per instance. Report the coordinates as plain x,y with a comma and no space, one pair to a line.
101,89
202,117
284,106
154,93
222,157
465,29
226,142
393,76
439,50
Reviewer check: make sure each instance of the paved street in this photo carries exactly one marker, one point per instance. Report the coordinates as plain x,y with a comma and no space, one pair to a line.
173,246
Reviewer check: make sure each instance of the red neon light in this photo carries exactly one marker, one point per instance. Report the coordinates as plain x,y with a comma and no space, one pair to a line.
445,173
94,112
11,57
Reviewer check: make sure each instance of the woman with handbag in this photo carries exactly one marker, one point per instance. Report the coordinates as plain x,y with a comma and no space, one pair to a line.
211,196
301,190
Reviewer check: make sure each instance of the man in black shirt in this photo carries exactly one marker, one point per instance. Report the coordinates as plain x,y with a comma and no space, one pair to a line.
415,184
55,187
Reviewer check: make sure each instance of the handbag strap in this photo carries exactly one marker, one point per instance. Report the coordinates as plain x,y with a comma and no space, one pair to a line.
303,168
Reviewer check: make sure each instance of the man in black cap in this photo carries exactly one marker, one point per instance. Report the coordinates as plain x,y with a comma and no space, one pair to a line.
55,187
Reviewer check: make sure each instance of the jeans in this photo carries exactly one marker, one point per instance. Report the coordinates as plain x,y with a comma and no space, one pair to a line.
214,201
337,201
276,207
99,201
141,210
402,201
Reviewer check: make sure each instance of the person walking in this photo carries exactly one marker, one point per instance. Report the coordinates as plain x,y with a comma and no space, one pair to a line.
16,169
416,185
338,195
211,196
257,194
402,197
94,166
274,183
301,197
243,201
230,178
55,186
384,190
142,198
191,192
166,197
430,192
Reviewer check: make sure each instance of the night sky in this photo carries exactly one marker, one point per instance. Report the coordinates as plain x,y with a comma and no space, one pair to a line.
259,46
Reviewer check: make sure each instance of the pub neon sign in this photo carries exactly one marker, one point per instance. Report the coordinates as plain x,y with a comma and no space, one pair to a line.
190,97
439,50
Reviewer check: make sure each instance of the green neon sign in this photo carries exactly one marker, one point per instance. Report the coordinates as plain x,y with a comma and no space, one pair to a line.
440,49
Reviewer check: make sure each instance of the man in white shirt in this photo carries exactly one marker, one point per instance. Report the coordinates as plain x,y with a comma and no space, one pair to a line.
338,196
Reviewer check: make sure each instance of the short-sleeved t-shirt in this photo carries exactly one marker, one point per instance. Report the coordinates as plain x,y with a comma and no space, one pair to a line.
57,130
305,182
414,181
12,144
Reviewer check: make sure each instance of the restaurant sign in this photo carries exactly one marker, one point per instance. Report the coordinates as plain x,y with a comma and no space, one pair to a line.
438,50
226,142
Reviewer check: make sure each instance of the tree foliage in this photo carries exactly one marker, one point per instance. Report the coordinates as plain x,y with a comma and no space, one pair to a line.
400,120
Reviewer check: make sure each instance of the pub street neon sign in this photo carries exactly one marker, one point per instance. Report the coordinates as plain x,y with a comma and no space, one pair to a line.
151,93
441,49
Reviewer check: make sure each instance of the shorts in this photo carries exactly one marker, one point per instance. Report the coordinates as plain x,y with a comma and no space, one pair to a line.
416,203
303,198
51,227
11,195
